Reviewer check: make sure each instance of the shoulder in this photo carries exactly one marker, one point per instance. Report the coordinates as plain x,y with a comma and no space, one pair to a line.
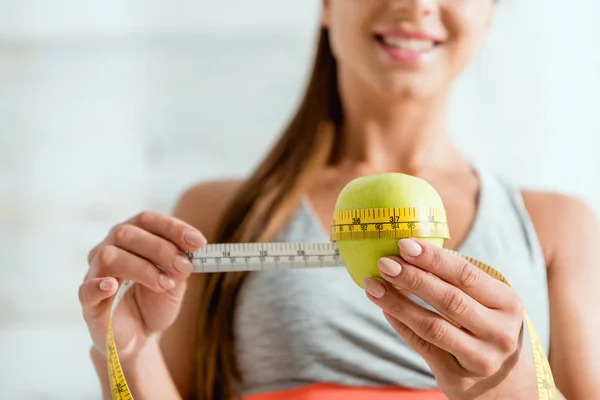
202,205
564,223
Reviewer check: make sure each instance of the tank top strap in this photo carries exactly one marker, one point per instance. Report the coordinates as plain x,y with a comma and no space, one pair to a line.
502,221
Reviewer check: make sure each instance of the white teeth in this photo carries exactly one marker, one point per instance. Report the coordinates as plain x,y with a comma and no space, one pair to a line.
408,44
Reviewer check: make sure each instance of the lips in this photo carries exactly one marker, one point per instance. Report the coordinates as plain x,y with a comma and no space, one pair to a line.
408,48
410,41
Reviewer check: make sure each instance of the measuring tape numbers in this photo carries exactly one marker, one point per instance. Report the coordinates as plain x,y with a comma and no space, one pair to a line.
375,223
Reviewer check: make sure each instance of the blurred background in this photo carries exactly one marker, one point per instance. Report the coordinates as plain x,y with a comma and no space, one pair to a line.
109,108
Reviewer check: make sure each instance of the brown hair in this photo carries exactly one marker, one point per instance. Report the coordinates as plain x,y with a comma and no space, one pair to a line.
261,207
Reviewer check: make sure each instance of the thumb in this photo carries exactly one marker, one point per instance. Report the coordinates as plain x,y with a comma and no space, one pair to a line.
92,292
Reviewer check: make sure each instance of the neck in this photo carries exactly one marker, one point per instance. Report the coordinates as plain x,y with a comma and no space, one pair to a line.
404,135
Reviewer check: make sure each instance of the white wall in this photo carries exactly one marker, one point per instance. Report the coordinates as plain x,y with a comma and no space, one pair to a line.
112,107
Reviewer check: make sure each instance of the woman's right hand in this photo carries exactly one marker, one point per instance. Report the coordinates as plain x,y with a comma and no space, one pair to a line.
148,249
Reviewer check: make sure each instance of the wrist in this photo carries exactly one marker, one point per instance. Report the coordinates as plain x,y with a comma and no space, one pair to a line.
519,383
129,354
510,383
148,376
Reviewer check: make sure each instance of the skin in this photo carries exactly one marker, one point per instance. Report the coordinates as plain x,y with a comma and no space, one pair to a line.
394,121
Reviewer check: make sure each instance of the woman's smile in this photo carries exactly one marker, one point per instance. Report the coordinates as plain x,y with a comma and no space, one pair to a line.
407,48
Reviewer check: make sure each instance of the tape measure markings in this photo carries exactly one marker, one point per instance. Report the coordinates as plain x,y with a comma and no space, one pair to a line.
389,223
230,257
115,373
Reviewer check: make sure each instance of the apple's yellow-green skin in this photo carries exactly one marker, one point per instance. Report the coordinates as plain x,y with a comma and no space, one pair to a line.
381,191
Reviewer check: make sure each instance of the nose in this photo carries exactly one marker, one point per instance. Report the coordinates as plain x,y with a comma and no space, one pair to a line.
413,9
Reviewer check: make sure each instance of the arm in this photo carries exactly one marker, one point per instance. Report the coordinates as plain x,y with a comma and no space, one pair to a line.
147,375
162,369
569,233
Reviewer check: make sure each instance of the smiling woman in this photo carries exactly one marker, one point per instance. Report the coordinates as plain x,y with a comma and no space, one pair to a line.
375,103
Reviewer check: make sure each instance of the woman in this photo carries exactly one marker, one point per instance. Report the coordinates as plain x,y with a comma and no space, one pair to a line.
375,103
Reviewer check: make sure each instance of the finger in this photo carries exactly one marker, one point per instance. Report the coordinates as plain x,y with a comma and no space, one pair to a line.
157,250
456,271
92,292
114,261
92,253
426,324
431,354
183,235
450,301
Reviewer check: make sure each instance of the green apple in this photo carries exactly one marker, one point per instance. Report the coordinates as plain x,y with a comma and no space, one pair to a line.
387,190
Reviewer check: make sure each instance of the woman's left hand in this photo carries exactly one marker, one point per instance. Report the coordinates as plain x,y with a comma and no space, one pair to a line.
473,345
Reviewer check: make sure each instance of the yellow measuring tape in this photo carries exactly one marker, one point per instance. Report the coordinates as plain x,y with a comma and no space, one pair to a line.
389,223
378,223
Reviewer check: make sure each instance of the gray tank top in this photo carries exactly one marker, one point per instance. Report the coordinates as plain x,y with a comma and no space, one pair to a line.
303,327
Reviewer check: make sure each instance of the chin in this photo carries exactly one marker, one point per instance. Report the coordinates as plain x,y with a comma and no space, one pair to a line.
417,88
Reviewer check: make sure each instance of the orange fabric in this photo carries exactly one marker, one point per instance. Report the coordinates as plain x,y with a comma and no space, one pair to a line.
334,392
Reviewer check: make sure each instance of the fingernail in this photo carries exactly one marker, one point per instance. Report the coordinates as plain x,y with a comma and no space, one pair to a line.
194,238
106,285
165,282
389,267
183,264
410,247
374,288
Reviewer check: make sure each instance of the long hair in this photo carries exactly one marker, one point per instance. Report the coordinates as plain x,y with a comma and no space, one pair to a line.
259,210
